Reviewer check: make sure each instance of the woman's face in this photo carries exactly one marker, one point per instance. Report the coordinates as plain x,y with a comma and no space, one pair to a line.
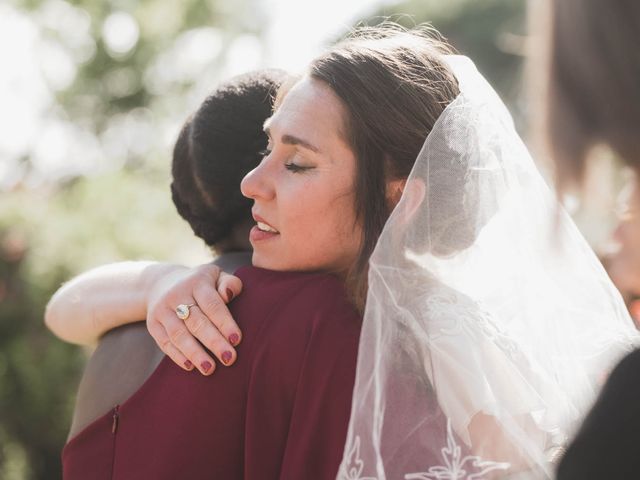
624,266
303,190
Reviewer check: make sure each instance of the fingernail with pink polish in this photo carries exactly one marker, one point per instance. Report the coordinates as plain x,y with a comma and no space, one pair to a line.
206,366
229,294
234,339
226,357
188,364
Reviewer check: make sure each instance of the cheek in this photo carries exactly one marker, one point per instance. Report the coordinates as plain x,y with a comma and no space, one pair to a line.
343,234
322,220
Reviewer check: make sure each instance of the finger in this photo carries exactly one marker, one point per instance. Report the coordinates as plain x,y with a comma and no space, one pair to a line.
182,339
202,328
228,286
214,308
159,334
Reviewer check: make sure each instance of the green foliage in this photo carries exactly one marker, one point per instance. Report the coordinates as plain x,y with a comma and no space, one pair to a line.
54,228
491,32
44,240
34,410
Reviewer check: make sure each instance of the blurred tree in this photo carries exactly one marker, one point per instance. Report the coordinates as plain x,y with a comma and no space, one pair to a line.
123,71
491,32
124,74
44,240
36,374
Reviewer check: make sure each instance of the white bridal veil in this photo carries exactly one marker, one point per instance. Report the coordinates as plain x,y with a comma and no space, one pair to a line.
489,324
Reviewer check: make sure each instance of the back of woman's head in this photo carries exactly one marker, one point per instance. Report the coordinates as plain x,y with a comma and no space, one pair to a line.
216,148
593,82
394,84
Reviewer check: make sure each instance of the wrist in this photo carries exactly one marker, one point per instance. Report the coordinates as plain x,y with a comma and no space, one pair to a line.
155,278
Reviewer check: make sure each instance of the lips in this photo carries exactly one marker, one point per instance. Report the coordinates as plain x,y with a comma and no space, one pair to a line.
262,224
265,227
262,230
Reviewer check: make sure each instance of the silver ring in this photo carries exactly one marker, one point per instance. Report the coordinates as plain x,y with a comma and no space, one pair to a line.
182,310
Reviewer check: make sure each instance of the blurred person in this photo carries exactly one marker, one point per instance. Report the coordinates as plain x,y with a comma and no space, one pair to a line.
624,262
621,259
591,83
428,211
591,55
592,77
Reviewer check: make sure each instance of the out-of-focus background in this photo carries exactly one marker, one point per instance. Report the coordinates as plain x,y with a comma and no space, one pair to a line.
92,94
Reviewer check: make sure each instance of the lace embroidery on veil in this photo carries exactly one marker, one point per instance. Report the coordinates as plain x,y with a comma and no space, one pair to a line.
455,466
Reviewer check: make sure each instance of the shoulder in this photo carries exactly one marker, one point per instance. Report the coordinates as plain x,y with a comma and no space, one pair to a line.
621,392
445,312
627,369
316,300
319,289
299,281
605,446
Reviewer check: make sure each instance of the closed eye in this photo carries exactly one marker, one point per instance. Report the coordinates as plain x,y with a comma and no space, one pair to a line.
292,167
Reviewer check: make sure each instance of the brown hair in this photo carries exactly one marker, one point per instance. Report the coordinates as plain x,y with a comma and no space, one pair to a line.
592,65
394,84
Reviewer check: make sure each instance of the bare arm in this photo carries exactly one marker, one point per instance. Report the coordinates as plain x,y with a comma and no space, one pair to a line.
93,303
103,298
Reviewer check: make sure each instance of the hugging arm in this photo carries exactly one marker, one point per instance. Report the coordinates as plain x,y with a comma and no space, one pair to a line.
88,306
94,302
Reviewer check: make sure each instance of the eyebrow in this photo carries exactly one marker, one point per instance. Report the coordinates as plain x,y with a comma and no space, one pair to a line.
293,140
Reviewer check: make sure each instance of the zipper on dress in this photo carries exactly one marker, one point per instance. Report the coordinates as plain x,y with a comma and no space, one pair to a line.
115,416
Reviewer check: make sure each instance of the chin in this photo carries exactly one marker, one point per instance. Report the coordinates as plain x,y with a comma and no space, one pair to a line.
260,261
256,261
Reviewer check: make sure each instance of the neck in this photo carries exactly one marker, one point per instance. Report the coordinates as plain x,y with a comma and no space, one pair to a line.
236,241
229,262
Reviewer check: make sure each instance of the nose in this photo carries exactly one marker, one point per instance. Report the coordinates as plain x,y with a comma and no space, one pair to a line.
256,184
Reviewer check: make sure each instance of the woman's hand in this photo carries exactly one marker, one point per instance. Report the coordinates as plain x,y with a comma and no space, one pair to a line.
209,321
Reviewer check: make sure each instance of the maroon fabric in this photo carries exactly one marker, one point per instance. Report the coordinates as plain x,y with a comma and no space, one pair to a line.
281,411
90,453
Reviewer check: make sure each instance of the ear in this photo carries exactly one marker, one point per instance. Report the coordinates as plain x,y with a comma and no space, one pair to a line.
407,195
394,191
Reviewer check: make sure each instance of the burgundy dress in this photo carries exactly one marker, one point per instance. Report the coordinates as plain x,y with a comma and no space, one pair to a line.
280,412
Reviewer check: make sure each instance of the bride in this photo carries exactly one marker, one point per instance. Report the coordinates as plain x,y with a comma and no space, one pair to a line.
489,324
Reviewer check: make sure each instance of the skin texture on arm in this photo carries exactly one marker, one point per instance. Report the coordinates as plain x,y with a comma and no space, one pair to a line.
103,298
106,297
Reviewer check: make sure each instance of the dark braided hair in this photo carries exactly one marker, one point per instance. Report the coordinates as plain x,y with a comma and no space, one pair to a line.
216,148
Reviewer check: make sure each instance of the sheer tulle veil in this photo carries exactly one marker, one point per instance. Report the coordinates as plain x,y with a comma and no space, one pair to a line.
489,323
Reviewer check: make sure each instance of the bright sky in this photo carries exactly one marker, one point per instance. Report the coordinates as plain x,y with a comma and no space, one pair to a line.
296,31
